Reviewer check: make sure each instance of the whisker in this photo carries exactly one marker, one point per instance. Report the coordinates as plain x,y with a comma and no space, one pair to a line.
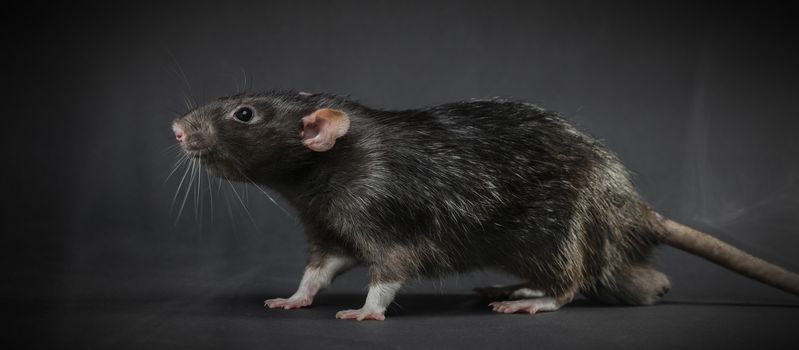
183,76
188,189
183,178
187,102
242,204
171,147
267,195
228,206
211,194
180,162
198,194
245,79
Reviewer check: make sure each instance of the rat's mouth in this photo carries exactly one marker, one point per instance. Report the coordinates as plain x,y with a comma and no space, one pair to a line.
198,152
210,161
218,169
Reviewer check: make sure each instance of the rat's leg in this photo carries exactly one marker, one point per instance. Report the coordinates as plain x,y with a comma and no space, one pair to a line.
514,291
633,285
320,272
381,294
383,285
562,281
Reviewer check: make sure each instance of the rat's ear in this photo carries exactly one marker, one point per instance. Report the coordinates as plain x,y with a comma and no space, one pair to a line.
321,128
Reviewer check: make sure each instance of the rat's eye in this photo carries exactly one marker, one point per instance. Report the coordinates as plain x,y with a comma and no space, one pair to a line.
244,114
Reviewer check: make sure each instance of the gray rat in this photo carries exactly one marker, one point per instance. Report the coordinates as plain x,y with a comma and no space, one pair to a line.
480,184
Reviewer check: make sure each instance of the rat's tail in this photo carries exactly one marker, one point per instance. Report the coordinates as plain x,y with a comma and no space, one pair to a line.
706,246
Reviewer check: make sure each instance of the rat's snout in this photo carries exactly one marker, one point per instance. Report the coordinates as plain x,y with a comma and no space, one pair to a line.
179,133
195,141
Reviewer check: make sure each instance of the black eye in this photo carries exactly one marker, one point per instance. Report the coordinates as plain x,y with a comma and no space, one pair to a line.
244,114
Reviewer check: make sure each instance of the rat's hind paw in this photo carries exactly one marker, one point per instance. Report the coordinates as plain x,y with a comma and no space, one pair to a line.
529,306
360,315
290,303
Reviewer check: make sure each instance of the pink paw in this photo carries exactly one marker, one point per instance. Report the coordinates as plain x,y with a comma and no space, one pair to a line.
360,315
290,303
530,306
510,307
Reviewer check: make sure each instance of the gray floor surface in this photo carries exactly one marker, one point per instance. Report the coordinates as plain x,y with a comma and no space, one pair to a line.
119,305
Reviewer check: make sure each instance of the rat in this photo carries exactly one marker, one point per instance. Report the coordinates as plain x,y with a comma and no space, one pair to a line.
491,184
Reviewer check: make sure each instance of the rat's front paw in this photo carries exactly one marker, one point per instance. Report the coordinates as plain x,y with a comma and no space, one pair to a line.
290,303
360,315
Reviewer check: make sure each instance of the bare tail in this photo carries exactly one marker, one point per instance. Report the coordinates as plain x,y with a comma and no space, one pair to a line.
706,246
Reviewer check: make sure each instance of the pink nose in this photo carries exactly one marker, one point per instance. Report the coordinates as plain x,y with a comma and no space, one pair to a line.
179,134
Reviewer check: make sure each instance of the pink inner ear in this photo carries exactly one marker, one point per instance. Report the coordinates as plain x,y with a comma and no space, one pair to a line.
321,128
310,131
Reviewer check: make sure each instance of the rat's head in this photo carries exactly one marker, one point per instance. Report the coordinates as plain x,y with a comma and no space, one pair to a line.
258,136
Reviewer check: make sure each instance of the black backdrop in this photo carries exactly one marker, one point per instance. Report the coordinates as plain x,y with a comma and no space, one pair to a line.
699,101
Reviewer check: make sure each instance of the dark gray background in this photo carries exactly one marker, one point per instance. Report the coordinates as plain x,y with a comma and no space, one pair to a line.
699,101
